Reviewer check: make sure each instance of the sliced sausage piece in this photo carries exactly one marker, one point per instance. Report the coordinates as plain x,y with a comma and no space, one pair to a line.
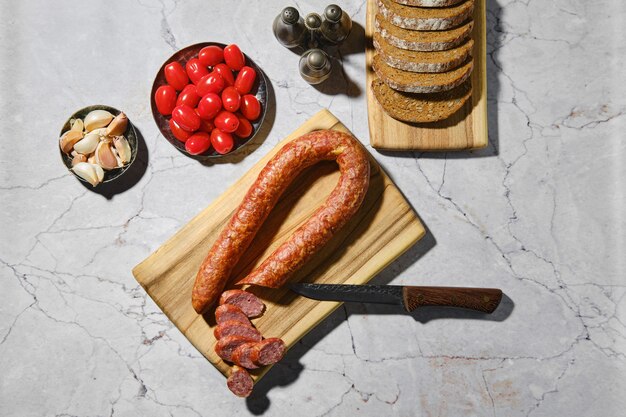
240,382
229,312
235,328
227,345
268,351
249,303
242,356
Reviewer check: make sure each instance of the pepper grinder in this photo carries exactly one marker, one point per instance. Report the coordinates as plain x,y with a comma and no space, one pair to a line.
314,66
289,28
336,25
313,22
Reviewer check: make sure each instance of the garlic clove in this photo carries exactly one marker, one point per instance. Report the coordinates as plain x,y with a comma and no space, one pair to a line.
68,139
88,144
123,148
77,125
99,172
96,119
87,172
105,156
118,125
100,131
78,158
91,158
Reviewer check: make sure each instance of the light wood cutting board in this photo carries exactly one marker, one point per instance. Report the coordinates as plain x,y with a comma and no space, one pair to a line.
466,129
384,227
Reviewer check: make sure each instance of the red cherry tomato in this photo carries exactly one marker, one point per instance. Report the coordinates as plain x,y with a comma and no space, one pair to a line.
250,107
209,106
196,70
245,127
231,99
176,76
234,57
222,141
165,99
206,126
178,132
245,80
211,55
226,121
188,96
186,118
211,83
198,143
226,73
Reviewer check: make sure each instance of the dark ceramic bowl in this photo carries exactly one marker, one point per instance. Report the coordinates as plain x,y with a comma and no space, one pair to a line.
259,90
130,134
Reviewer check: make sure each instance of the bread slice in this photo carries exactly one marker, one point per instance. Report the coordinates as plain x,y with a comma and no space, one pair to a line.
415,40
415,61
429,3
421,108
421,82
419,18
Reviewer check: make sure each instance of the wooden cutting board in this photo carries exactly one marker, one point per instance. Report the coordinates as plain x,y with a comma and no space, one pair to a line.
384,227
466,129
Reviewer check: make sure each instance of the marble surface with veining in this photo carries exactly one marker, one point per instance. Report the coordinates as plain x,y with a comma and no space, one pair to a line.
539,213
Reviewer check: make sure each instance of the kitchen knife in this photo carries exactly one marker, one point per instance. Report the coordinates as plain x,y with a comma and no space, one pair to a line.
479,299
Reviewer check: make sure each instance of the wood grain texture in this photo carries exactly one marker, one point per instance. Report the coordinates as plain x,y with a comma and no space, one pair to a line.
485,300
466,129
384,227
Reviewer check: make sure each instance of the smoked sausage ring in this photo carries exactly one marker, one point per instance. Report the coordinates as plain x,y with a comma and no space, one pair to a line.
263,195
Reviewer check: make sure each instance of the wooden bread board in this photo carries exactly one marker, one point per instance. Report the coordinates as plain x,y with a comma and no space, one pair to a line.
384,227
466,129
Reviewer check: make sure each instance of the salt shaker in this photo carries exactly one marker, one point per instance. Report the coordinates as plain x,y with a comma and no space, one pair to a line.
289,28
336,24
314,66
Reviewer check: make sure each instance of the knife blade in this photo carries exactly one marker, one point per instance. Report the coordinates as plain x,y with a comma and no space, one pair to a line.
485,300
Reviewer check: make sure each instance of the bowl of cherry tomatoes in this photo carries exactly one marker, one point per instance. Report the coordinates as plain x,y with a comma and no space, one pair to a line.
209,99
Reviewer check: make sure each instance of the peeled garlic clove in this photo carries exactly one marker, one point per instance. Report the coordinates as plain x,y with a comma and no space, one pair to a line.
96,119
100,131
78,158
99,172
123,148
87,172
68,139
88,144
118,125
77,125
105,156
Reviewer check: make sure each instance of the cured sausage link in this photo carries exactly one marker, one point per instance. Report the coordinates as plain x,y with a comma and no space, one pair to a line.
262,196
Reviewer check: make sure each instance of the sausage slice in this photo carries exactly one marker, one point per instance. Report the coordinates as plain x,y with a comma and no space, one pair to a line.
249,303
229,312
240,382
268,351
227,345
242,356
235,328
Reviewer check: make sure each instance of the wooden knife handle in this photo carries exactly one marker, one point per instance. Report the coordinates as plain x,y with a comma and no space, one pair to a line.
479,299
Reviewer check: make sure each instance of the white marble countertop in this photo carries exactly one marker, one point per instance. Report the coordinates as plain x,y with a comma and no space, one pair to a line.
539,214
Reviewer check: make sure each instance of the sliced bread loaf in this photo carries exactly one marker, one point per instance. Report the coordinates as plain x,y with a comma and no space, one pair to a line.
419,18
415,40
420,82
421,108
429,3
417,61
